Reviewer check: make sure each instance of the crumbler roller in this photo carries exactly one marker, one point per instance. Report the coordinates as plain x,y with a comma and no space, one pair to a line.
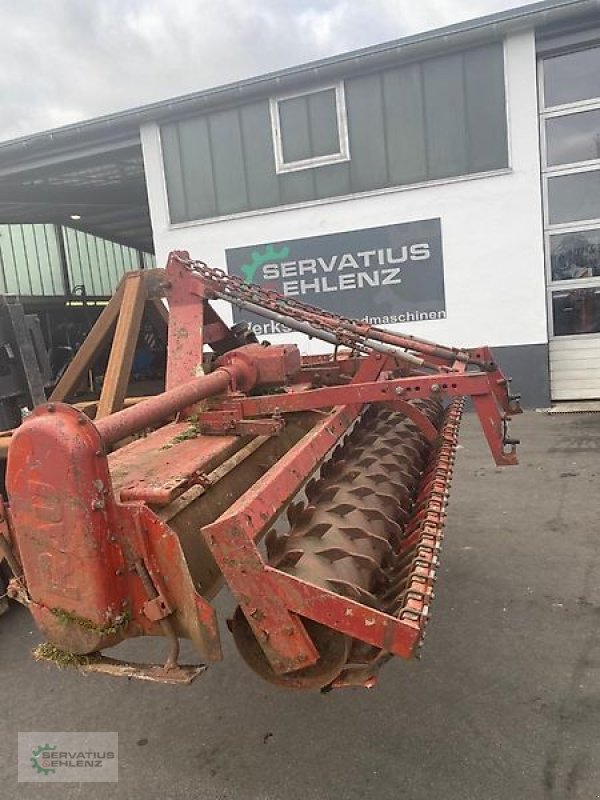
345,538
111,537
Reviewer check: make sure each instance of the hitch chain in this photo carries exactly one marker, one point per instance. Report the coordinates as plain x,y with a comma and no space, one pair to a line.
232,288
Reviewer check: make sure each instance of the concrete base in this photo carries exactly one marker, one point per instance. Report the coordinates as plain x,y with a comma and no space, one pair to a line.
578,407
503,706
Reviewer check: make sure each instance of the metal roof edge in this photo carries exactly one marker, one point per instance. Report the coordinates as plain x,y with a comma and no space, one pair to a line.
529,16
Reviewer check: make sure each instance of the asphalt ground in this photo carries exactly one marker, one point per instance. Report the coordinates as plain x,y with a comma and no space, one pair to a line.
504,705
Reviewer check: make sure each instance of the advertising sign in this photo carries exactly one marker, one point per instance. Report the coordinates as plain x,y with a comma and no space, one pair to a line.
386,275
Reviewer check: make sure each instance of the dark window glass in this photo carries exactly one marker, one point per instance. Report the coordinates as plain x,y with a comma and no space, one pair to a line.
172,157
198,177
576,311
574,137
263,187
437,118
445,116
294,127
368,167
574,197
486,108
572,77
322,116
575,255
229,160
309,126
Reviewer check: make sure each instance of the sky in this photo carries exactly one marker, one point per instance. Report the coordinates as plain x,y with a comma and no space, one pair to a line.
62,61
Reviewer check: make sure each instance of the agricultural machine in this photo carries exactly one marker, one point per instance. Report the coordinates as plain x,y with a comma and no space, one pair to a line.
129,525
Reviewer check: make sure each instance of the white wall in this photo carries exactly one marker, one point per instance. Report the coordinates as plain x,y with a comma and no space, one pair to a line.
491,227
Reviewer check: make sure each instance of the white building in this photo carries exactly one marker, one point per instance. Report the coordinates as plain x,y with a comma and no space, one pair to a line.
446,184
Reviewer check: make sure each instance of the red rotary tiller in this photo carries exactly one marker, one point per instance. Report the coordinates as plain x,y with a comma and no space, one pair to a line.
356,446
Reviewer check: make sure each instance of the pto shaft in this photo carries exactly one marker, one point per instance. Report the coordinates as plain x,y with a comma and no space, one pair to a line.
157,409
241,370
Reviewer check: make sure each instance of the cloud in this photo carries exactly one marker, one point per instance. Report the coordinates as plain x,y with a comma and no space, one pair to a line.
62,61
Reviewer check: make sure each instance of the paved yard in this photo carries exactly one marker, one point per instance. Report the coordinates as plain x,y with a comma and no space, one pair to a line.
504,705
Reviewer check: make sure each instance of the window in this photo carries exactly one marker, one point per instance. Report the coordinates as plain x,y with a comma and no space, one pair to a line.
576,311
572,138
574,197
429,120
570,127
572,77
575,255
310,130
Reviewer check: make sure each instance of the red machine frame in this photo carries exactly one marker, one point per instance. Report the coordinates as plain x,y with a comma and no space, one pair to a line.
141,564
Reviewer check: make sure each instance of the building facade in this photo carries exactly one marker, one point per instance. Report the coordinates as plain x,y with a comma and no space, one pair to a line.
445,185
450,190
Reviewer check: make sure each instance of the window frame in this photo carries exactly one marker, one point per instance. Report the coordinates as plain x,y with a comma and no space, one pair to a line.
557,170
572,105
567,166
343,154
561,287
567,173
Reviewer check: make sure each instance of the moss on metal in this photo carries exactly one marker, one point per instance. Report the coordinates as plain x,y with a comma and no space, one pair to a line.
191,432
61,658
108,628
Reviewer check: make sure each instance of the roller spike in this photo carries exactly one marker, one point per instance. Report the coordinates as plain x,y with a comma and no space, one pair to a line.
342,510
270,536
327,495
367,461
401,489
351,473
361,491
379,477
305,516
293,511
311,489
390,500
332,554
318,531
360,533
391,526
354,592
274,543
289,559
338,453
331,468
345,588
393,592
365,561
369,439
325,469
